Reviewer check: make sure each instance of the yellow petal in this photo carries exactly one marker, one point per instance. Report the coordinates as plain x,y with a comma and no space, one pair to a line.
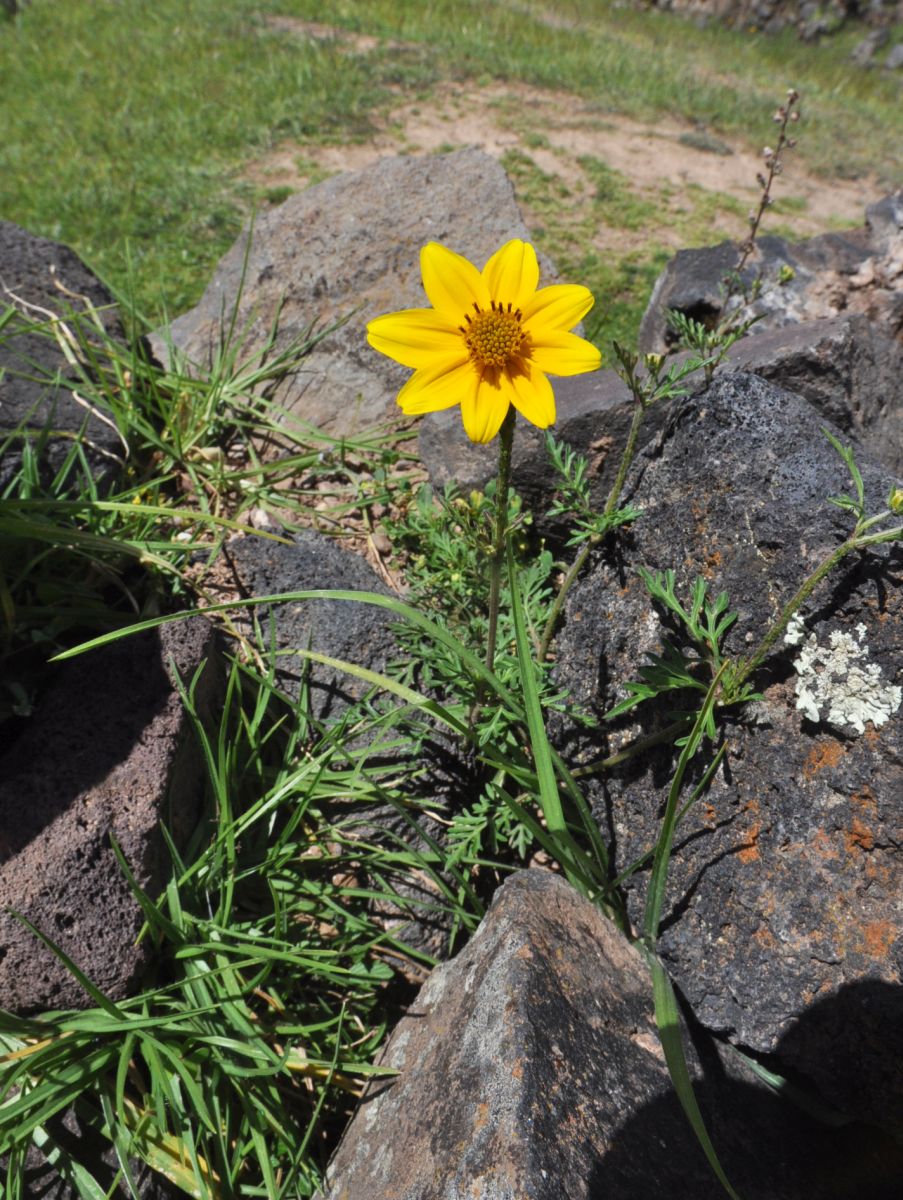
556,308
415,337
484,410
512,273
564,354
439,386
531,394
452,284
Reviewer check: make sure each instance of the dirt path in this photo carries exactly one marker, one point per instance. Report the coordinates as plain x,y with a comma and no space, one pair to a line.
689,187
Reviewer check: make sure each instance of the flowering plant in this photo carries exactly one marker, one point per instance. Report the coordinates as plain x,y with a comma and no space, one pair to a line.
489,340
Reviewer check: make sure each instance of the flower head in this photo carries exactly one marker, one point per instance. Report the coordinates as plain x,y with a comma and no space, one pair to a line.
488,341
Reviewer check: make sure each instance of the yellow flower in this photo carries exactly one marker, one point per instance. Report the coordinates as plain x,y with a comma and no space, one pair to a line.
488,341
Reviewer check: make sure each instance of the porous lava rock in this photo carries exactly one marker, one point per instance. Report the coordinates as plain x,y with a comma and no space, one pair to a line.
784,890
361,634
108,755
348,247
848,369
40,279
352,631
856,271
530,1065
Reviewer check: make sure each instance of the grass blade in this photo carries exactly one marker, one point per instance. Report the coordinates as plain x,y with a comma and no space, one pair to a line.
668,1022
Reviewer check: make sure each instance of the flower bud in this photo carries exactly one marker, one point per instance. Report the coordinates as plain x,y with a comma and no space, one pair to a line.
895,500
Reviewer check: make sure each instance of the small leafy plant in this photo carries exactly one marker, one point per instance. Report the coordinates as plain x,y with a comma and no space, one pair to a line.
712,341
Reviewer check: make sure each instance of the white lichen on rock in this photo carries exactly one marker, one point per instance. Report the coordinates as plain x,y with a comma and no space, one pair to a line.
836,683
796,630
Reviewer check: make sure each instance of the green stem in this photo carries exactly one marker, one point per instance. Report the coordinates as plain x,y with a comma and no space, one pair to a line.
655,896
799,599
626,458
575,568
668,734
610,505
506,437
856,542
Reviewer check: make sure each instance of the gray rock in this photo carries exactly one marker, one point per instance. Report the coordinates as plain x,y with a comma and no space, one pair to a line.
530,1066
36,392
809,19
358,633
864,52
860,271
847,368
894,60
109,754
349,247
594,414
785,882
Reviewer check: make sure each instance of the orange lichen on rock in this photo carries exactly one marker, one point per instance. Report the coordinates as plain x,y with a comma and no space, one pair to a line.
823,754
877,938
865,801
822,845
859,837
764,937
750,851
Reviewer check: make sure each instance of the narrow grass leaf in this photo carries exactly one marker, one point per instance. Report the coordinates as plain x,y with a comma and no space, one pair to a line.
668,1022
78,1177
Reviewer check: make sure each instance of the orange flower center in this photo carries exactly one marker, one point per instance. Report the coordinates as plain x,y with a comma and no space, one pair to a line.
495,337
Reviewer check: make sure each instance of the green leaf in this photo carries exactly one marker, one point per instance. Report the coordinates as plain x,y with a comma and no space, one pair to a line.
550,800
668,1021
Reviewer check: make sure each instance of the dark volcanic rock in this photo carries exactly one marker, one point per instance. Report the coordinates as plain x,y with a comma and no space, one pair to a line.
108,755
42,1180
530,1066
785,883
857,271
847,368
349,245
34,394
594,415
354,632
361,634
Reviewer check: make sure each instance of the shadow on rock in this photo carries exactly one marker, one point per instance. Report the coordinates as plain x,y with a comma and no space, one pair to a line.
813,1145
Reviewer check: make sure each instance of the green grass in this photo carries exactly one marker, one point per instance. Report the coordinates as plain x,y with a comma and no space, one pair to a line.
130,145
129,131
615,202
76,562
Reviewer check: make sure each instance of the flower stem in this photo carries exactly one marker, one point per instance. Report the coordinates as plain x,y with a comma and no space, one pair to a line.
856,542
626,458
573,571
497,555
632,749
610,505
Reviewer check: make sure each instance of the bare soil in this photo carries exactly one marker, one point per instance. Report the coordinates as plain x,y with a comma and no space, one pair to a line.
555,130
